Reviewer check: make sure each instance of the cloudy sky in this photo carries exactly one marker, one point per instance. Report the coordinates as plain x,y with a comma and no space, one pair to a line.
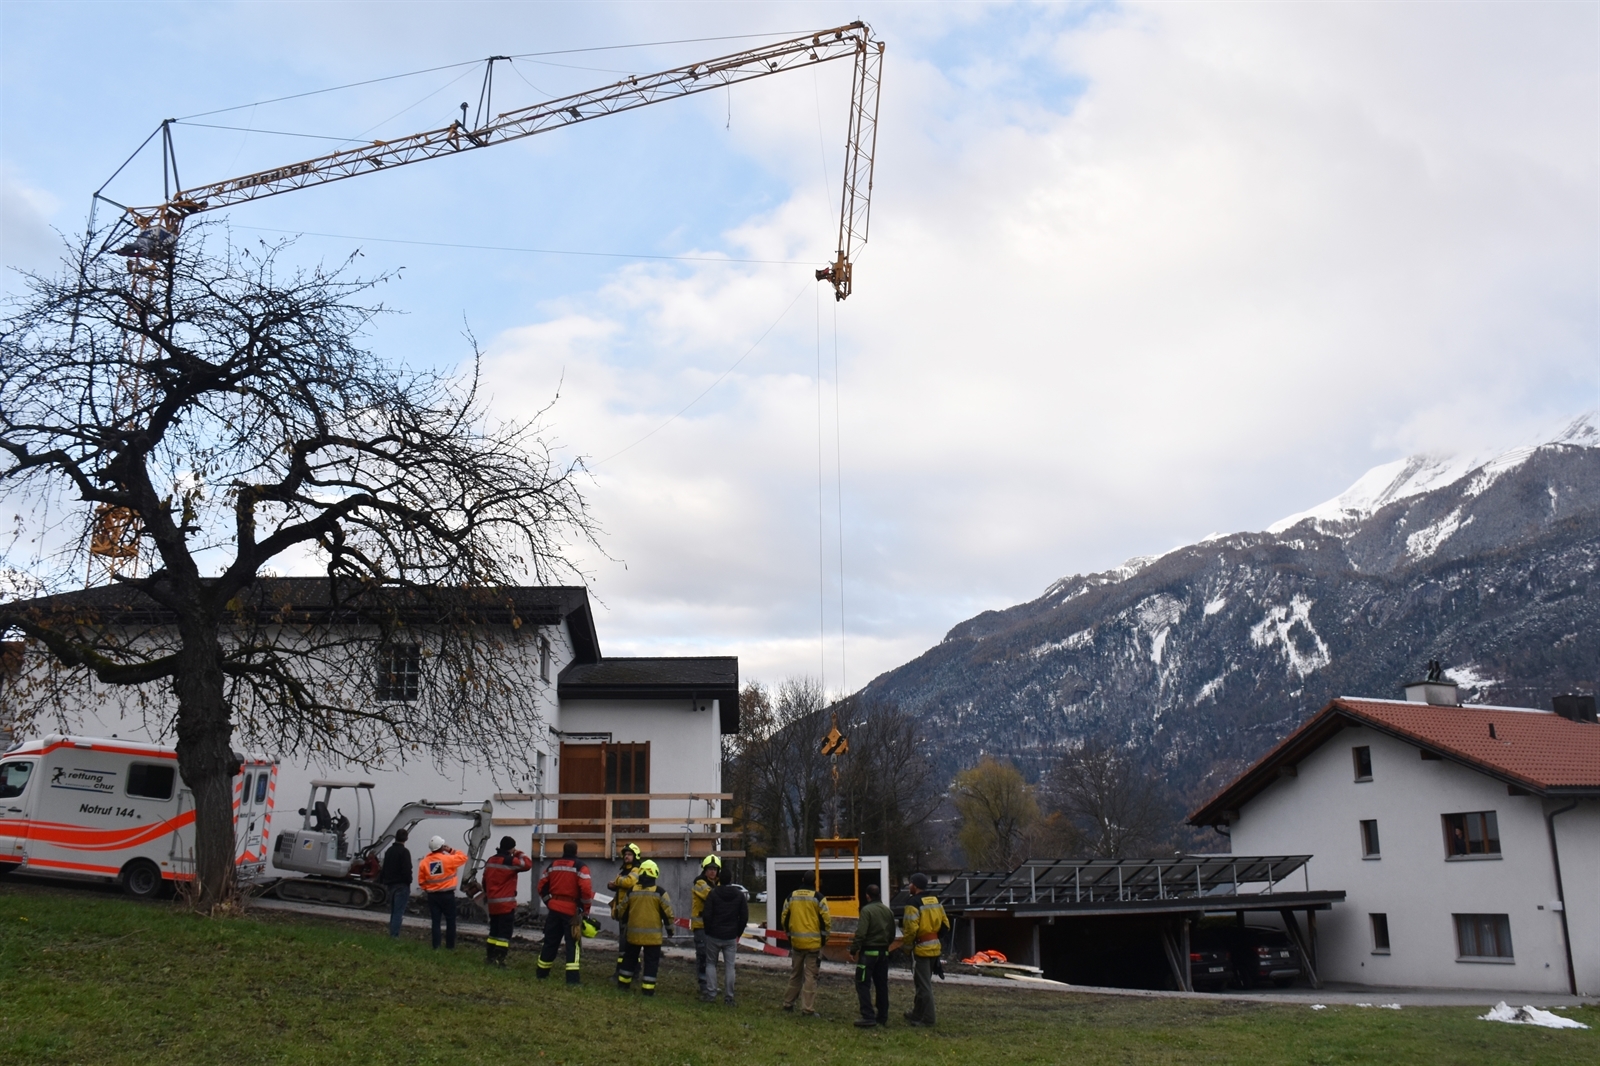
1138,273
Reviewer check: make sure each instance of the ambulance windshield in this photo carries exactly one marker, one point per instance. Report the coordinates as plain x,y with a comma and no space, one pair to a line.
14,778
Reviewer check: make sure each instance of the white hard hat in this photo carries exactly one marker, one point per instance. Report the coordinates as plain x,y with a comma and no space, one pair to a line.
435,843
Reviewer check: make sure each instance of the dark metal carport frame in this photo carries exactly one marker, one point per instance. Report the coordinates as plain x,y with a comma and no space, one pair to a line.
1186,887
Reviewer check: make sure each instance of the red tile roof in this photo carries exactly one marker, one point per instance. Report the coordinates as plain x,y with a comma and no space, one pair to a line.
1539,751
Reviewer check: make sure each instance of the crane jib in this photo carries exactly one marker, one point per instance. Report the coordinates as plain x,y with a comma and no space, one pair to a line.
850,41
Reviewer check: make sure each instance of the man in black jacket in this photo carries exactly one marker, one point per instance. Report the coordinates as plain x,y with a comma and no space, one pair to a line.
395,876
726,913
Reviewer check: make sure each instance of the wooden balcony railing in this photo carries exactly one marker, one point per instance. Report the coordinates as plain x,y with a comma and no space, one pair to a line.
599,827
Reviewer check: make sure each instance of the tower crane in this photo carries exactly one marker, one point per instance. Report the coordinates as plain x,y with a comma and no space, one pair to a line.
154,229
147,235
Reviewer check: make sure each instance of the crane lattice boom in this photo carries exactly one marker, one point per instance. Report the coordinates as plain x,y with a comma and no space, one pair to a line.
850,41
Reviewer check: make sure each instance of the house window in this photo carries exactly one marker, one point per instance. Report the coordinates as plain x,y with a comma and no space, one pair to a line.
399,672
1369,839
1363,761
1483,936
544,658
1380,934
1471,833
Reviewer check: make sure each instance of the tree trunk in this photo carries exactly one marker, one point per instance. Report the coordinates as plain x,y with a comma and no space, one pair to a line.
207,763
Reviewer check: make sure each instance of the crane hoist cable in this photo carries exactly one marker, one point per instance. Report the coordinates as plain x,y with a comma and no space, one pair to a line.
150,232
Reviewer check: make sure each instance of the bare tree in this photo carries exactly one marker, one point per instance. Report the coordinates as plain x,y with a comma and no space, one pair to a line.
997,812
214,412
1110,805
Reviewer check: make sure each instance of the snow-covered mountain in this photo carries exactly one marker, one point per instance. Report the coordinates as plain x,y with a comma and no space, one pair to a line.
1202,657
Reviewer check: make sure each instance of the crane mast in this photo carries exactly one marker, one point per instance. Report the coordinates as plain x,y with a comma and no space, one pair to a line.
157,225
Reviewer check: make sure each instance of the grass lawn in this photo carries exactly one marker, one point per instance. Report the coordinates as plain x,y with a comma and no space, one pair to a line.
88,977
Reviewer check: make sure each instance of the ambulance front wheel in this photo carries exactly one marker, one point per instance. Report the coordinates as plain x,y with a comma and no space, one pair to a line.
141,879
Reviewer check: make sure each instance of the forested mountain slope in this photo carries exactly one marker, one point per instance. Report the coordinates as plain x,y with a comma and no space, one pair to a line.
1202,658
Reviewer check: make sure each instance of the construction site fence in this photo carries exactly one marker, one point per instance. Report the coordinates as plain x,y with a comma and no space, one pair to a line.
694,835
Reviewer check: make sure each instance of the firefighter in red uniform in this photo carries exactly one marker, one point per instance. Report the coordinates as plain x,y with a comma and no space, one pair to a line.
500,896
568,893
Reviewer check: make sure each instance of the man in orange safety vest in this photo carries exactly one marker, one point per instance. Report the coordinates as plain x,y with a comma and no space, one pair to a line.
438,874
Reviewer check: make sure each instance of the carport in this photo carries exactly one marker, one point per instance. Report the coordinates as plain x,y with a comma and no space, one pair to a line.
1077,919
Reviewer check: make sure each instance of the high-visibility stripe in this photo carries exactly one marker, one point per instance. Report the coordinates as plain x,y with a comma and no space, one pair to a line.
115,749
82,838
83,867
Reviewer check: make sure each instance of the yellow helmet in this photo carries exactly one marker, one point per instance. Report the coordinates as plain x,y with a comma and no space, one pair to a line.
710,860
648,868
630,847
590,926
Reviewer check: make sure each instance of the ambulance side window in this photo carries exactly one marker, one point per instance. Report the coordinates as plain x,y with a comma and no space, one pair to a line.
14,778
244,793
150,781
261,788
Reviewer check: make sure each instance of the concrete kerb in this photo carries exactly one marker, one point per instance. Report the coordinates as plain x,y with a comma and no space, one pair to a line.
1331,995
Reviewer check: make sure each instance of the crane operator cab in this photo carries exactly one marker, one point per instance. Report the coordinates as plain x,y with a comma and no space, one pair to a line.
324,843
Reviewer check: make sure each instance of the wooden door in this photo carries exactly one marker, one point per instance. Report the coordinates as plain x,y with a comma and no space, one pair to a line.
583,771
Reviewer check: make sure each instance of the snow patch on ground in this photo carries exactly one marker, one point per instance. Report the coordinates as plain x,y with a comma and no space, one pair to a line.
1212,687
1274,630
1213,606
1425,541
1505,1012
1157,615
1468,677
1081,639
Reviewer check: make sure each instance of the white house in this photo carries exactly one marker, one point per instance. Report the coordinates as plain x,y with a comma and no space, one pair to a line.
622,726
1467,838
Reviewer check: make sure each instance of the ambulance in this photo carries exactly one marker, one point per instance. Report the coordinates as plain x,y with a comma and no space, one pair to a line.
117,810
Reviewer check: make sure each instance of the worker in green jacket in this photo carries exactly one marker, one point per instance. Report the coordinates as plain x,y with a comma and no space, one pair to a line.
869,950
648,912
805,918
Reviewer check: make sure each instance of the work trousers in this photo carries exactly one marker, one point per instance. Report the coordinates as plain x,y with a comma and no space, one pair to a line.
443,905
803,968
632,955
499,939
725,952
700,960
872,974
922,977
399,898
558,927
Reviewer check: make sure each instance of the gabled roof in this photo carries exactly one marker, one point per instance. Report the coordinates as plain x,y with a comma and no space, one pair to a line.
712,677
1537,751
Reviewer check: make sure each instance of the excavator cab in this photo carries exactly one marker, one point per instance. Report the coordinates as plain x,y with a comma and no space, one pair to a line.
324,843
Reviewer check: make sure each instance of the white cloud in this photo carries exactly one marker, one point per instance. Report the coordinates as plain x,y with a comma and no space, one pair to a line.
1137,273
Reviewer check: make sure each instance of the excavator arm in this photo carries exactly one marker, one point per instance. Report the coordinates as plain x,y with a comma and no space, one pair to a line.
482,819
157,225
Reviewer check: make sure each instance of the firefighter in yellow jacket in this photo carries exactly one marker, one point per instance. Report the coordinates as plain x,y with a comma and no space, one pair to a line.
647,914
921,926
710,871
805,918
621,885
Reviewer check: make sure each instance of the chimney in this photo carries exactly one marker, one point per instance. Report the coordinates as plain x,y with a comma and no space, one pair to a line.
1435,688
1575,707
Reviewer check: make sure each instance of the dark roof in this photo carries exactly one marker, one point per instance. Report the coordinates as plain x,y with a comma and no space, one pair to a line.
713,677
1539,752
317,599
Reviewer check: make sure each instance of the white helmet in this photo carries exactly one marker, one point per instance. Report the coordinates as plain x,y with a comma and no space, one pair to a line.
435,843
